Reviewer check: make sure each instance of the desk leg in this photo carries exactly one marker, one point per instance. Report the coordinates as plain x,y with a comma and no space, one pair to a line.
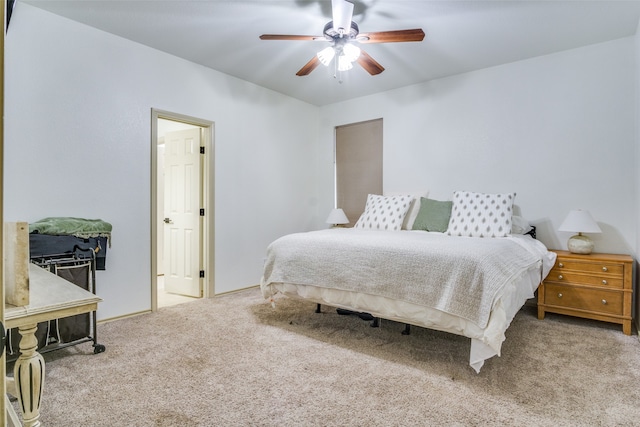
28,374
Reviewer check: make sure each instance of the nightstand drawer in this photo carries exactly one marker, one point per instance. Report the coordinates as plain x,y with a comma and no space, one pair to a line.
602,301
564,276
591,266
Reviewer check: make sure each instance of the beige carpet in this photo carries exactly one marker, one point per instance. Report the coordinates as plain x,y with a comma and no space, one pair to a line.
235,361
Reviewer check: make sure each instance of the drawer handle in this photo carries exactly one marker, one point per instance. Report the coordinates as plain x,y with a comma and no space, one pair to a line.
605,269
559,295
604,282
560,277
604,302
560,265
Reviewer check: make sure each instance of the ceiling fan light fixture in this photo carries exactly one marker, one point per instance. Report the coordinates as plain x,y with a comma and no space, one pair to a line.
344,64
341,32
351,52
326,55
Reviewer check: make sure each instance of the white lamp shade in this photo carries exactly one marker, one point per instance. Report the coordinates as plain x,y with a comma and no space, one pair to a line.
344,64
351,52
326,55
579,221
337,216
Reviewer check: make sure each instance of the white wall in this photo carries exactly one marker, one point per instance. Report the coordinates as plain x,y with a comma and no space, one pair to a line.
78,143
559,130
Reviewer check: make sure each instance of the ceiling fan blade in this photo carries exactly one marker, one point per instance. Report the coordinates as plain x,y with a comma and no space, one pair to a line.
309,67
342,12
415,35
369,64
289,37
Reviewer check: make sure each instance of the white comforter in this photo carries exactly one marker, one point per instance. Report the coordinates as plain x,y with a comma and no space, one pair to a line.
458,279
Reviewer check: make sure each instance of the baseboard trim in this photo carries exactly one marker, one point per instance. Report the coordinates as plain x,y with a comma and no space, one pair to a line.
235,291
139,313
124,316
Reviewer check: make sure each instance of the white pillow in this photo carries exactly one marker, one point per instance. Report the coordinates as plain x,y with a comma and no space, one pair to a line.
481,214
519,225
414,208
384,213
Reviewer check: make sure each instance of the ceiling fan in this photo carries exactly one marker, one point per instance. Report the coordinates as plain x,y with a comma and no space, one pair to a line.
342,32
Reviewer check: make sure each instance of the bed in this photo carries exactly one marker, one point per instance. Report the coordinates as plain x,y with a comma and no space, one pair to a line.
465,280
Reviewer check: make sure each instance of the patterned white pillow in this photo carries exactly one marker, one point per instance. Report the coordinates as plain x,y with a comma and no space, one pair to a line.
384,212
481,214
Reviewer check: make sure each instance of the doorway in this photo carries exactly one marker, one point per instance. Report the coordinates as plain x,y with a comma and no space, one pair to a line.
182,209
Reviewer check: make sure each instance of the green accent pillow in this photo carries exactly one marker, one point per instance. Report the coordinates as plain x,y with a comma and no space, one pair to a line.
433,215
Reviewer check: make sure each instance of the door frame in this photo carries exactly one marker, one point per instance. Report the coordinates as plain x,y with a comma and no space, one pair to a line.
207,230
3,399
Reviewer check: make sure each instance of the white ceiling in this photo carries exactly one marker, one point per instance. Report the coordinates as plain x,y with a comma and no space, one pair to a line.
460,36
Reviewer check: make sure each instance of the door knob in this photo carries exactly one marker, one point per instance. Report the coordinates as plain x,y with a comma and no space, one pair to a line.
168,221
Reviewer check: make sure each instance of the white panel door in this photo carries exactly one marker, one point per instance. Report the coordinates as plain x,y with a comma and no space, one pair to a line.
182,192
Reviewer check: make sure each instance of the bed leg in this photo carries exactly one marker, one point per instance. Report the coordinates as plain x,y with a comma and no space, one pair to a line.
375,323
318,308
407,329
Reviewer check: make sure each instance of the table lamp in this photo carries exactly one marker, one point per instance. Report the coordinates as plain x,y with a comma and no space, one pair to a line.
579,221
337,218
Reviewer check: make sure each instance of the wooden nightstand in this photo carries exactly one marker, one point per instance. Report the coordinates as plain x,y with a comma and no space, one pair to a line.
594,286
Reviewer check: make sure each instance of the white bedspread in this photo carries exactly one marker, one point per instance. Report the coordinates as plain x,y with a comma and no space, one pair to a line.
457,275
473,282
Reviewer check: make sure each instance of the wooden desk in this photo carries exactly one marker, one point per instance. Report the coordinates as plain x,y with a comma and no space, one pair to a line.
50,297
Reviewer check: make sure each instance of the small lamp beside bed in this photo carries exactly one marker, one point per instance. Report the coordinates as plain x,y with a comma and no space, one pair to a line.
337,218
579,221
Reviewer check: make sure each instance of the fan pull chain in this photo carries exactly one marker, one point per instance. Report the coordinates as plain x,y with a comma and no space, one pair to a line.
337,74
